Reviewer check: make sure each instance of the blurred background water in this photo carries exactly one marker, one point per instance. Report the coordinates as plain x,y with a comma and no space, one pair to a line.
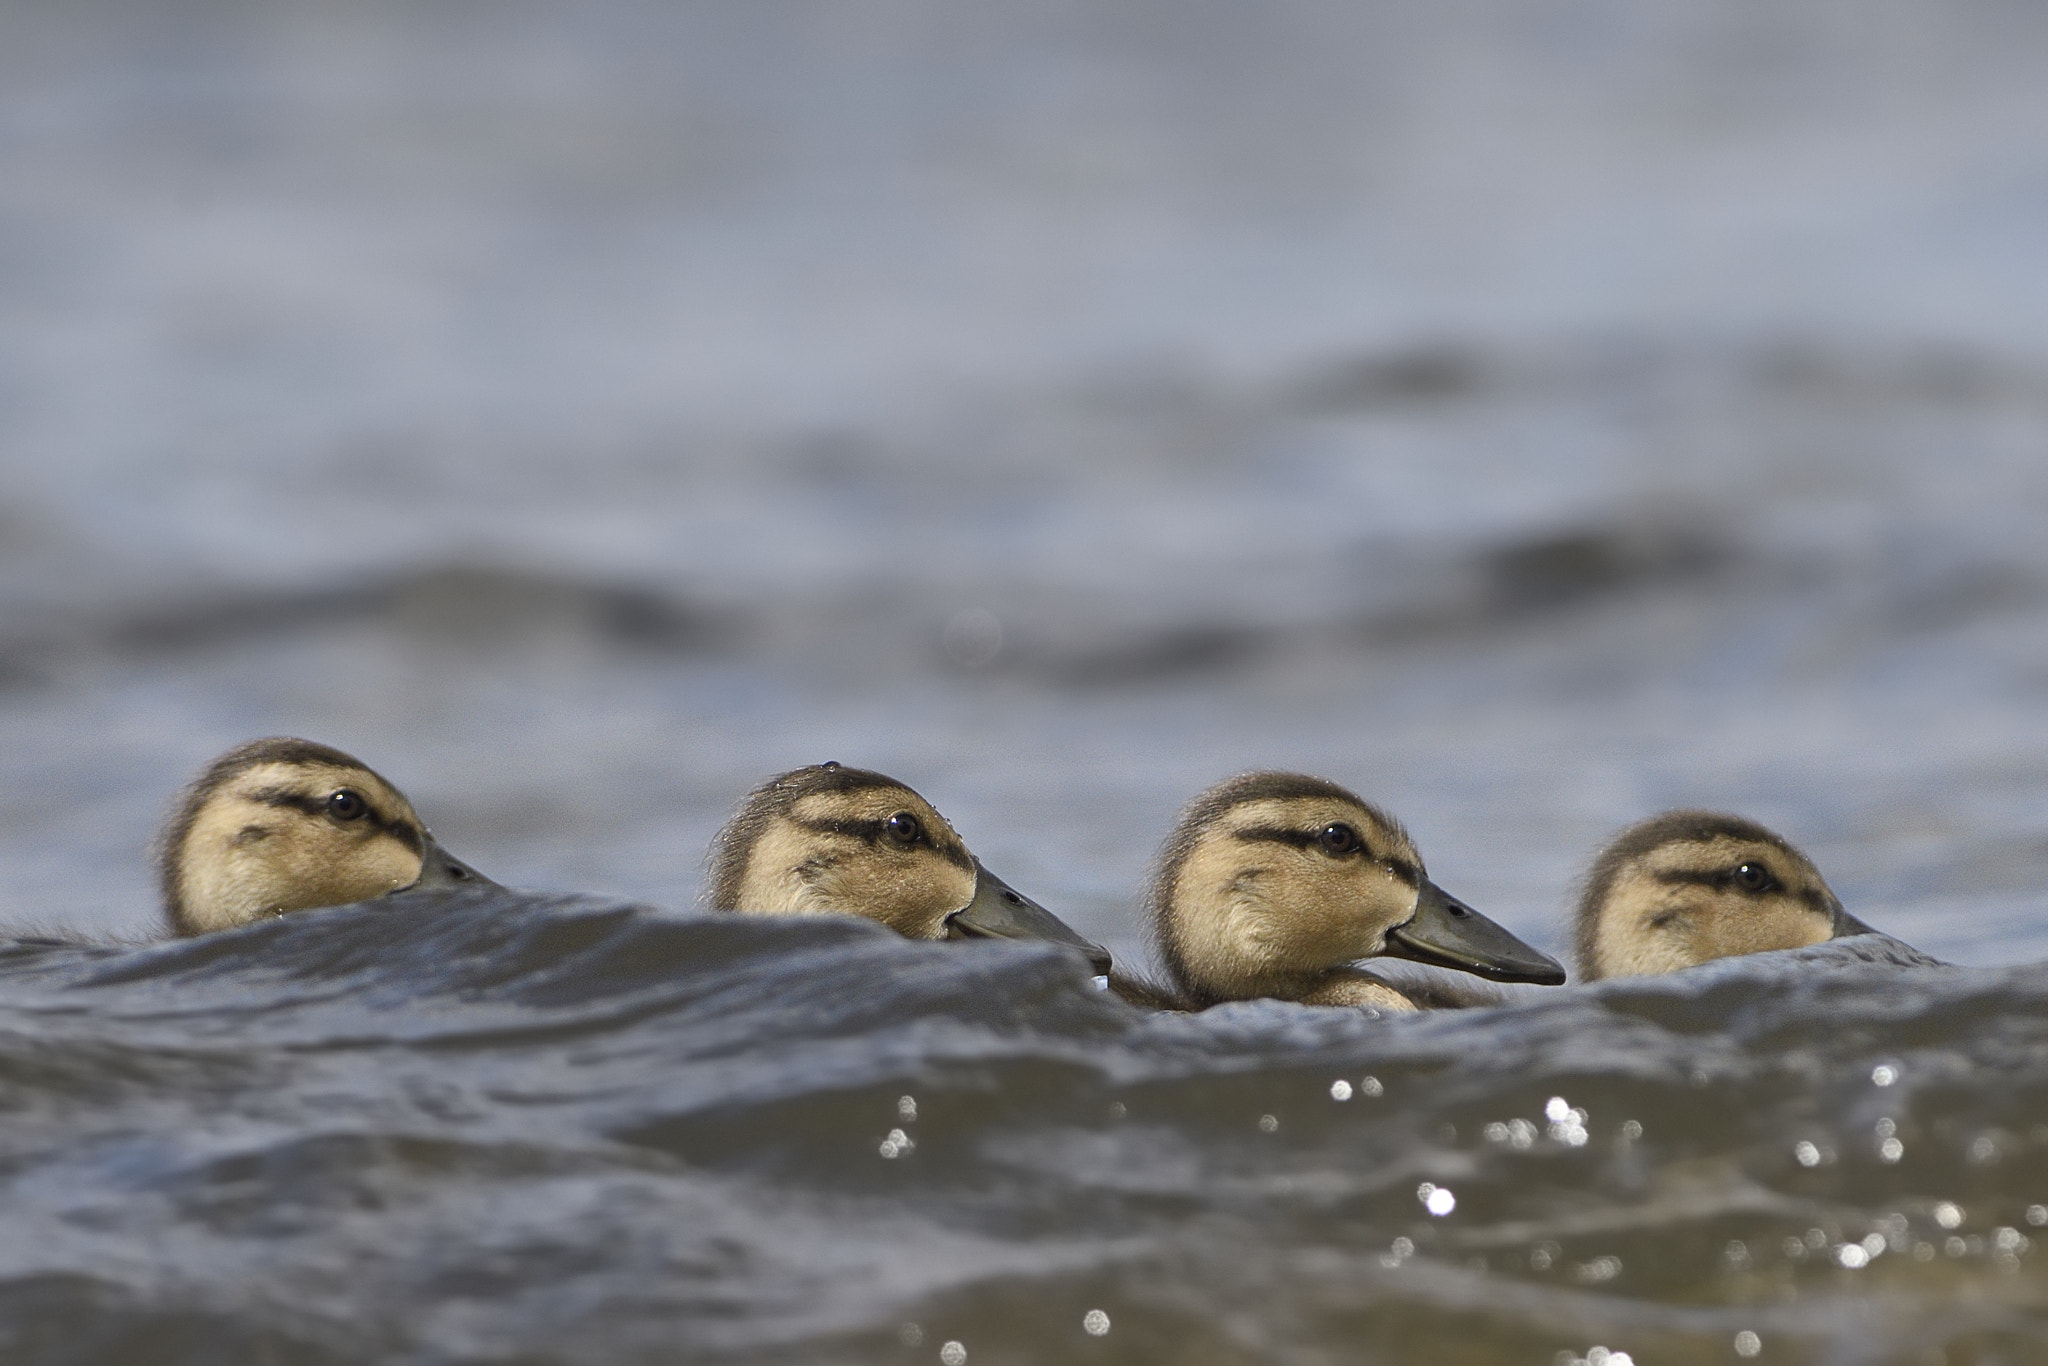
1532,416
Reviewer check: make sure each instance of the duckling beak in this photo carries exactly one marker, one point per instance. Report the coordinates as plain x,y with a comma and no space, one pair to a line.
999,911
1846,924
441,871
1444,932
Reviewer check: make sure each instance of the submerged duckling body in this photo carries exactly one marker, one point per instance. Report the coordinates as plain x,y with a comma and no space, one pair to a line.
281,825
1687,887
1275,884
827,839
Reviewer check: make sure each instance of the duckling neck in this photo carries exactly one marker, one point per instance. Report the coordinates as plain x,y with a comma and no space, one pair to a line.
1351,987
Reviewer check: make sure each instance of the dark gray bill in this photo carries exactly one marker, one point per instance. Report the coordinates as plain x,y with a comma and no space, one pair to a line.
441,871
1846,924
999,911
1446,933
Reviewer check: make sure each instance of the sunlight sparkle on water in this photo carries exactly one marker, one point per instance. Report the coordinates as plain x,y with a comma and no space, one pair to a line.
1595,1356
1567,1122
1095,1323
1438,1200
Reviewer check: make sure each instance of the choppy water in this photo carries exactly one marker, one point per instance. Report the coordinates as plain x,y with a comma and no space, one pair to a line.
522,1129
1531,417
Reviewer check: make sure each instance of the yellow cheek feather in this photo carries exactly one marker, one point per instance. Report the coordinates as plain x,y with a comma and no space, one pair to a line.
796,870
1670,894
247,854
237,870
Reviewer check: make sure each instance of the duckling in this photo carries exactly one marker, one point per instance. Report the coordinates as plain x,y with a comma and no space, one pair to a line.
1273,884
827,838
1686,887
283,825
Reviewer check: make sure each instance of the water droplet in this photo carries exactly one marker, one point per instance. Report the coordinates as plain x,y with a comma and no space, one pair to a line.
953,1354
1748,1344
1268,1123
1340,1089
1884,1074
1095,1323
1948,1215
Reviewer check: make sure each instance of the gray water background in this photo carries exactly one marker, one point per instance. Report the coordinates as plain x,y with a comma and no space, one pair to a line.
1532,416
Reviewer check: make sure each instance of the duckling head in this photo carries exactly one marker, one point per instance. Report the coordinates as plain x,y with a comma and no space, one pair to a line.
832,839
1272,883
1686,887
283,825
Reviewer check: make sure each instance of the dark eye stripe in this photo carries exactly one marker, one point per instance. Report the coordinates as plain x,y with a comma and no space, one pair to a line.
874,832
1401,868
405,832
1279,834
1813,898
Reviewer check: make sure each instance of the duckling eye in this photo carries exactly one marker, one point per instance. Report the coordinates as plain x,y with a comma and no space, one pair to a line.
1754,877
345,805
1338,839
903,828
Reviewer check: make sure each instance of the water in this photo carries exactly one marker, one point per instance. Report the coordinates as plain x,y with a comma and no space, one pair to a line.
1530,419
522,1129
